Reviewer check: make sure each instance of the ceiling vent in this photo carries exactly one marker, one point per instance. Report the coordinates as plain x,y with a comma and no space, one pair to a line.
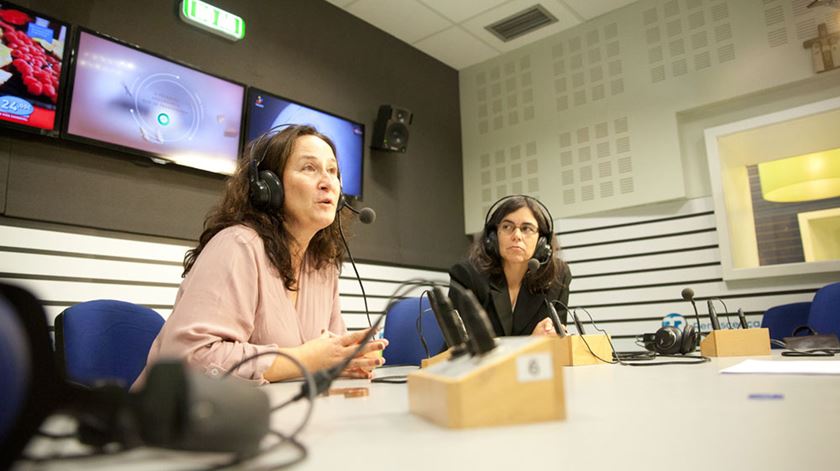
521,23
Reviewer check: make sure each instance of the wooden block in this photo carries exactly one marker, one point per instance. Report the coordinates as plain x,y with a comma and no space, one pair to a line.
520,381
574,351
736,343
442,356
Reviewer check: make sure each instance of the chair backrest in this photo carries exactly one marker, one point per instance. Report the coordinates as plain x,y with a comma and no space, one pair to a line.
404,344
105,340
782,320
825,310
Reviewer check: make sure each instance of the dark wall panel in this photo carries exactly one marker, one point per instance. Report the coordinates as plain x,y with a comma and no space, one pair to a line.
307,50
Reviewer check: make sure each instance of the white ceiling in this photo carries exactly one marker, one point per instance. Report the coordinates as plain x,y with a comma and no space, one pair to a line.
452,31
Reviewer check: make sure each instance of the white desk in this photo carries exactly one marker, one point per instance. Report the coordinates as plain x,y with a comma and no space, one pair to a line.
674,418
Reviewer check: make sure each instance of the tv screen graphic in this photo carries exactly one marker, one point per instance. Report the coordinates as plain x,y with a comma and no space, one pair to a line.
140,102
265,111
31,62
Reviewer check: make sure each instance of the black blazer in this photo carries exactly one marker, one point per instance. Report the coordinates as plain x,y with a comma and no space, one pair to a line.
492,293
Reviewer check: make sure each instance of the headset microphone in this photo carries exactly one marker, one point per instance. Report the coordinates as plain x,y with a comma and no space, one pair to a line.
366,215
533,265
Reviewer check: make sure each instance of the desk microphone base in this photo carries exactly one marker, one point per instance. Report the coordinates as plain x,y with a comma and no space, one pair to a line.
736,343
574,351
520,381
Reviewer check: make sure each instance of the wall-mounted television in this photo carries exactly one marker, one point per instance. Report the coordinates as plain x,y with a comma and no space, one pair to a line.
139,102
266,111
32,59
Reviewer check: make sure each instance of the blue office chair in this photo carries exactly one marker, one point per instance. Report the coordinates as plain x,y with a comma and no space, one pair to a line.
824,317
783,320
404,344
105,340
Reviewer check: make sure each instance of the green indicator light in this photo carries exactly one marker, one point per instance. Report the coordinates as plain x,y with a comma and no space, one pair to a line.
163,119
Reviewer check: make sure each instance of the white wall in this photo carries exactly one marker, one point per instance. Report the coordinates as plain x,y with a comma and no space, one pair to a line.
64,268
601,116
630,266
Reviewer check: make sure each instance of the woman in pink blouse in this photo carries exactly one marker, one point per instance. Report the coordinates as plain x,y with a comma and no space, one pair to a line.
264,276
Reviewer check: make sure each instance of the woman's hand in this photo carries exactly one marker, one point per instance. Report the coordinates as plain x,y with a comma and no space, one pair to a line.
546,327
327,351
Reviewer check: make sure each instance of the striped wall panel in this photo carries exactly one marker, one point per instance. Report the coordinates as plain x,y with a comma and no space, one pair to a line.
64,268
629,270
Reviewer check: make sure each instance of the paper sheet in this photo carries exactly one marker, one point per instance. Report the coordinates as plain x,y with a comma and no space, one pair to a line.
792,367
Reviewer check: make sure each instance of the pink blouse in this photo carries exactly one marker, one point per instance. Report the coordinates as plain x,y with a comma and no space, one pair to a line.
233,304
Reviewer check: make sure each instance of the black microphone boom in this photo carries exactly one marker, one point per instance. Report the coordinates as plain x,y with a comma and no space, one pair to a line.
688,295
445,316
713,315
555,319
477,323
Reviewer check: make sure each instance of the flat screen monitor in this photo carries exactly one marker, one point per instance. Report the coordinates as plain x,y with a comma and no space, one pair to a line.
265,111
32,56
132,100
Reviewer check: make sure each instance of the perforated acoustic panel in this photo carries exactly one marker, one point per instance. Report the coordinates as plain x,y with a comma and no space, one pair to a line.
587,67
690,35
599,103
505,95
792,21
596,161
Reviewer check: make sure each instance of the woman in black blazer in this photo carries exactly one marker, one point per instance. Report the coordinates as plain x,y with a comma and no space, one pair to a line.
518,229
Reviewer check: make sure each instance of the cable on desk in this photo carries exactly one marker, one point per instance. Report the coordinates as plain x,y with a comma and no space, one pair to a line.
692,359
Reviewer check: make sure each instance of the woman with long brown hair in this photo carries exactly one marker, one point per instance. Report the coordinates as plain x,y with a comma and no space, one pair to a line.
264,276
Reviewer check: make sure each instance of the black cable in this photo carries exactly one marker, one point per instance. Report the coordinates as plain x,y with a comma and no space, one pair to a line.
419,324
698,359
353,264
311,389
283,439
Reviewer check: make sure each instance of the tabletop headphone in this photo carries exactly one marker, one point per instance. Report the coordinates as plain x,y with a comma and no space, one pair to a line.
670,340
543,250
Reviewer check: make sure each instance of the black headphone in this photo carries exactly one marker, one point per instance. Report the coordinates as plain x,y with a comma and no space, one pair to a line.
266,187
670,340
543,250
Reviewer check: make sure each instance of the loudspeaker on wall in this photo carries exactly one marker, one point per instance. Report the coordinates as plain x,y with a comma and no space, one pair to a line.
391,130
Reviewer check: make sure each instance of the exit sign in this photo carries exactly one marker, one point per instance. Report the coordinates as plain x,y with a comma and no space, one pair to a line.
215,20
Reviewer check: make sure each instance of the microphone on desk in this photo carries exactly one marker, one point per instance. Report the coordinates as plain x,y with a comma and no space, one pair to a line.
555,318
713,315
448,320
477,324
688,295
742,318
323,378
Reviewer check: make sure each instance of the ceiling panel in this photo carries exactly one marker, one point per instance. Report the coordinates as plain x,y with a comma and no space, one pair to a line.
453,31
458,11
469,50
407,20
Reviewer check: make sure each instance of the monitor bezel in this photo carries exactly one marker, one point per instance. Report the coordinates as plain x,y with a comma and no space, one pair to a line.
63,80
247,126
155,157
